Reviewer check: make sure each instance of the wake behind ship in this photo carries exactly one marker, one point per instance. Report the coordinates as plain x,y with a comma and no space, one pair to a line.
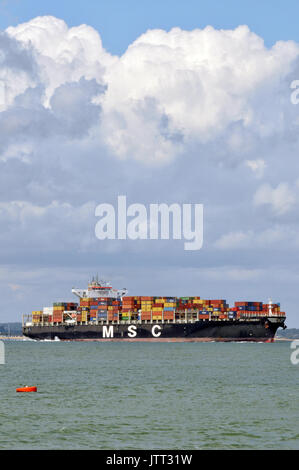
106,314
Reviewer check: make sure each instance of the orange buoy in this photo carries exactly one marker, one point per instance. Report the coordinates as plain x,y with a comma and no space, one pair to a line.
27,389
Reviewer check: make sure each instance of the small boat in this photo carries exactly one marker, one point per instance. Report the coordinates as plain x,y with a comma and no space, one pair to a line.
26,389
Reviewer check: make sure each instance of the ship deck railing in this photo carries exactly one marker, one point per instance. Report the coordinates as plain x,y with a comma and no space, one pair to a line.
144,322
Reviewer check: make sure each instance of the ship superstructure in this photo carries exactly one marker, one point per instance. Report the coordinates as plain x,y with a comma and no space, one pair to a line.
99,288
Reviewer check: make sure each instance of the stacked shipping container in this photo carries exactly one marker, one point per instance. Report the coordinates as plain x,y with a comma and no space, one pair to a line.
256,309
130,307
150,308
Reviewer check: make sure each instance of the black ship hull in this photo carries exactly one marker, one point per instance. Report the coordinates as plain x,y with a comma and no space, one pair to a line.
202,330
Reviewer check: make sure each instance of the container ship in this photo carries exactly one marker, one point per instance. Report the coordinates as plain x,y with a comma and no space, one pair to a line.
106,314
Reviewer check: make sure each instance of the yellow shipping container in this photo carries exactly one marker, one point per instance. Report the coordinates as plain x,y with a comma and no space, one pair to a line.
170,304
157,317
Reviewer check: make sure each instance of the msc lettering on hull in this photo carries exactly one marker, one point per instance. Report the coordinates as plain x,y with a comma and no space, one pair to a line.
108,331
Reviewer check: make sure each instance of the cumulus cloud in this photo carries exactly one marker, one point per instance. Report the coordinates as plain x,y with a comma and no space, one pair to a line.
72,115
169,90
63,54
204,81
18,70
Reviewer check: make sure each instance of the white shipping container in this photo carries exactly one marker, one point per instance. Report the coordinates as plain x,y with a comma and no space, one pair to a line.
48,310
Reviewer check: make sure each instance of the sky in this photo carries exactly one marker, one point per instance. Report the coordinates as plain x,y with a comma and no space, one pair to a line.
120,22
164,102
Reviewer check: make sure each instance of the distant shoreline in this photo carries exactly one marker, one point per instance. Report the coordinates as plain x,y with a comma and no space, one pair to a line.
286,339
11,337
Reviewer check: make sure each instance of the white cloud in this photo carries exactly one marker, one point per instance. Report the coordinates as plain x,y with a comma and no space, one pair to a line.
203,81
63,54
273,238
170,89
230,273
17,70
257,166
281,198
233,240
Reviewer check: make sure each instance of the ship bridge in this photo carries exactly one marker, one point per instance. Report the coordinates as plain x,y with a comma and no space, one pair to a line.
99,288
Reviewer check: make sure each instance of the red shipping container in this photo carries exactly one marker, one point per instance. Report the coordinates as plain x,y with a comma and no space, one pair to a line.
168,316
57,316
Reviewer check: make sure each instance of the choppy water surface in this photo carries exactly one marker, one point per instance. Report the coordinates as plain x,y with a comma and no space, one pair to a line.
149,396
